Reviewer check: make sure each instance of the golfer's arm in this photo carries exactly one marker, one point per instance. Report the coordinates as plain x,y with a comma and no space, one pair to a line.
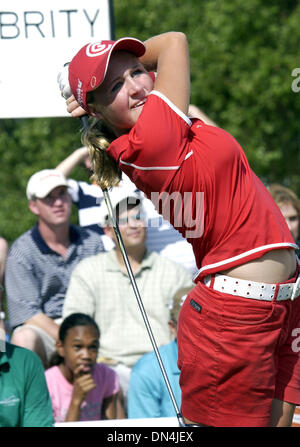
168,54
195,112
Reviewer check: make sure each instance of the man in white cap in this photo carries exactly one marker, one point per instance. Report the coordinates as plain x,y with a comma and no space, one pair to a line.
40,263
100,287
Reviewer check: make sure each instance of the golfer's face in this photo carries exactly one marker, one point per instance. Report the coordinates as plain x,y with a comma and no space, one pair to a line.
123,93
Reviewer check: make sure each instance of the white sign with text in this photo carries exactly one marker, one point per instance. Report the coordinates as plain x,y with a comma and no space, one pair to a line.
36,39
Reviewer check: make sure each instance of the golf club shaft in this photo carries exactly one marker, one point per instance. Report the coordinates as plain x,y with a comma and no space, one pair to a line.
140,302
85,124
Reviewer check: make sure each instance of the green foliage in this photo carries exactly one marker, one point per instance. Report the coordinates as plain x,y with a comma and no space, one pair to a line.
242,56
27,146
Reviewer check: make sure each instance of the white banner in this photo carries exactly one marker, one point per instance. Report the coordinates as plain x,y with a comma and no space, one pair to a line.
36,39
143,422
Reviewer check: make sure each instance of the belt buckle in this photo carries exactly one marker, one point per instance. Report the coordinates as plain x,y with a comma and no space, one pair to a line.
296,289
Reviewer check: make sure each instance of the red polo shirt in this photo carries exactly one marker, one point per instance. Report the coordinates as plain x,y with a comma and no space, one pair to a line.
205,186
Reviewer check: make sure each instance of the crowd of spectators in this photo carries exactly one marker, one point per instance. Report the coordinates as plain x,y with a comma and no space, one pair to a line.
73,343
57,271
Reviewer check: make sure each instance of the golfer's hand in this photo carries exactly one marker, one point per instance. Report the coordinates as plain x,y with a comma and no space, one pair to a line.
72,105
63,82
74,108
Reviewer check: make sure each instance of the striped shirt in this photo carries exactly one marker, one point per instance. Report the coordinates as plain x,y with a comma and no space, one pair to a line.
87,198
36,277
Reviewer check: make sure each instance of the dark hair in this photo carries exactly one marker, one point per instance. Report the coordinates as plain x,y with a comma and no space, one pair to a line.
76,319
73,320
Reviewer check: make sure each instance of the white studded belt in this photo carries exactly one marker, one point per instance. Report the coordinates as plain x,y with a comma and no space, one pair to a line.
252,289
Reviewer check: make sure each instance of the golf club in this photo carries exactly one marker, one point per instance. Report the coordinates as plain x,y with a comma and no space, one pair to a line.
85,124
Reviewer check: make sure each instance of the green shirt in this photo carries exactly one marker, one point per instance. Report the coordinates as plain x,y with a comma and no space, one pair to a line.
24,396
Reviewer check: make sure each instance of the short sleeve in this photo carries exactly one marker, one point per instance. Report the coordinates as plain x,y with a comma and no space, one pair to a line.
73,188
37,405
19,276
158,143
108,379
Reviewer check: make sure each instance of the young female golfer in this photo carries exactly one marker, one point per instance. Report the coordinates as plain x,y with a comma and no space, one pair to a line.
236,328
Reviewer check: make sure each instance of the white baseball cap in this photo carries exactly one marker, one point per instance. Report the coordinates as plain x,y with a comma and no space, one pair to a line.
43,182
117,195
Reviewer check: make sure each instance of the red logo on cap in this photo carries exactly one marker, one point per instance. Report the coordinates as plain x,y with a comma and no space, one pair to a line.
93,81
97,49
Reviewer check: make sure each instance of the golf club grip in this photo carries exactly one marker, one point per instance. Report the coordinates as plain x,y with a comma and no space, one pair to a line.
84,121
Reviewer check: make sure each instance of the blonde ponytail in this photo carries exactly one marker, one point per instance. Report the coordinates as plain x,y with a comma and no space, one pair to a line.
97,139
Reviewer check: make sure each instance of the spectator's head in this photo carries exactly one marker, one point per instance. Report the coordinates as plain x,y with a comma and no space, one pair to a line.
78,343
49,199
175,306
130,216
289,205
